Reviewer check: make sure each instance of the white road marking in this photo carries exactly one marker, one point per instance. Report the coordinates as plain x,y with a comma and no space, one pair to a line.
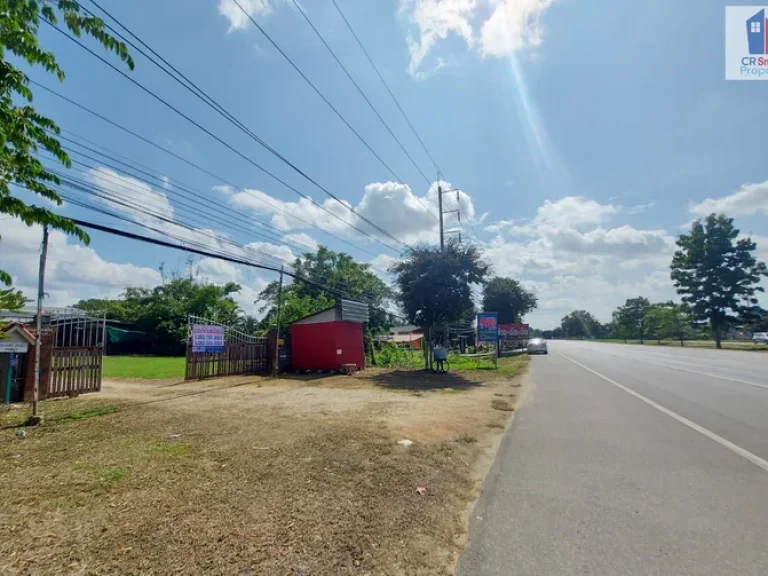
639,358
692,425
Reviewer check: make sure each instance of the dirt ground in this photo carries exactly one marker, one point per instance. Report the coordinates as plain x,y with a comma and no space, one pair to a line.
300,476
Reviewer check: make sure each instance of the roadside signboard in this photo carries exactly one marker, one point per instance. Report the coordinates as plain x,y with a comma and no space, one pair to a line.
207,338
514,331
488,327
14,347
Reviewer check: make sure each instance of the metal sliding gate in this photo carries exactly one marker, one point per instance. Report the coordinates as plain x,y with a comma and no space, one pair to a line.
216,350
77,346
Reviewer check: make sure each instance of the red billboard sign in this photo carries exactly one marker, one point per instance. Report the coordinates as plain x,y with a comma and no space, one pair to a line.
510,331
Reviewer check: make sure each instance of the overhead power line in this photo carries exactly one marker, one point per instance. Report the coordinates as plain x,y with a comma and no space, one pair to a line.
384,82
202,252
394,99
367,100
193,165
317,90
84,187
176,188
180,78
243,156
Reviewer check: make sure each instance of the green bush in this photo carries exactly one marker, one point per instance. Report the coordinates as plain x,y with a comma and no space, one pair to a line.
390,355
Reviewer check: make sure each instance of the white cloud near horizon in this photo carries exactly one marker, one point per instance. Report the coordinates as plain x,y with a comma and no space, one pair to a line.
390,205
750,199
73,271
573,258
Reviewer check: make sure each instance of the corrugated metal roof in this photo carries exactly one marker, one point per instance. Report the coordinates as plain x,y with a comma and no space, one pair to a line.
352,311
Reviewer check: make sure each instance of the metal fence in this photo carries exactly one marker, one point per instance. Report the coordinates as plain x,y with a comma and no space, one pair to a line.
77,347
215,350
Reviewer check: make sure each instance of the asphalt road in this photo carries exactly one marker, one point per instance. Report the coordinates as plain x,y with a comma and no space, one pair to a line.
630,460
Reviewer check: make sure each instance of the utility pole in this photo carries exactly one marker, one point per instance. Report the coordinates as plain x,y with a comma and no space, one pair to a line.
440,209
35,419
276,364
440,193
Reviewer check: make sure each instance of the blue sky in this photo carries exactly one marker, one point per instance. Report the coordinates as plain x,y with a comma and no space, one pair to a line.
583,135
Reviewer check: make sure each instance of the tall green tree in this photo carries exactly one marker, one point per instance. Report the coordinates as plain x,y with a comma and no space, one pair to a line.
507,297
716,273
23,131
580,324
323,277
630,320
435,287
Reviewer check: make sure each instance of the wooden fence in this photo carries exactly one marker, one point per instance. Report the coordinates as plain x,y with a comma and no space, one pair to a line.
74,370
245,358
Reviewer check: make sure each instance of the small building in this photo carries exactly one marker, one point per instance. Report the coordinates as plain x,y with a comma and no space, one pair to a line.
16,362
328,339
405,336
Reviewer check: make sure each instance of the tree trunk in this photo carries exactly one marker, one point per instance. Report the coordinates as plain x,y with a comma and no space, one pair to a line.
682,343
372,349
718,339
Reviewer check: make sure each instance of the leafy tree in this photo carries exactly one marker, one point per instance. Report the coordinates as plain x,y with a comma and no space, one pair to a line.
322,278
163,312
10,300
22,130
119,310
507,297
755,319
629,321
668,320
558,333
716,273
580,324
548,334
435,287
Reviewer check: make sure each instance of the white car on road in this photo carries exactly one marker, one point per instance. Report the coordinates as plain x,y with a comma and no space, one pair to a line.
760,337
537,346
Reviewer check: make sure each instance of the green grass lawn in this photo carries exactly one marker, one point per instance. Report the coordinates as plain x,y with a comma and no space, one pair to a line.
146,367
727,345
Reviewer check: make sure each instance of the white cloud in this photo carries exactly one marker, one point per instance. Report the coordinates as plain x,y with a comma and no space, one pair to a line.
238,20
750,199
73,271
392,206
380,266
568,212
513,25
640,208
251,283
573,259
574,211
495,27
143,204
304,240
625,241
435,20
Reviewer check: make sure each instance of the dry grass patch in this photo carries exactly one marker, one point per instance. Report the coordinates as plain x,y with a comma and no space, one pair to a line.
503,405
243,476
